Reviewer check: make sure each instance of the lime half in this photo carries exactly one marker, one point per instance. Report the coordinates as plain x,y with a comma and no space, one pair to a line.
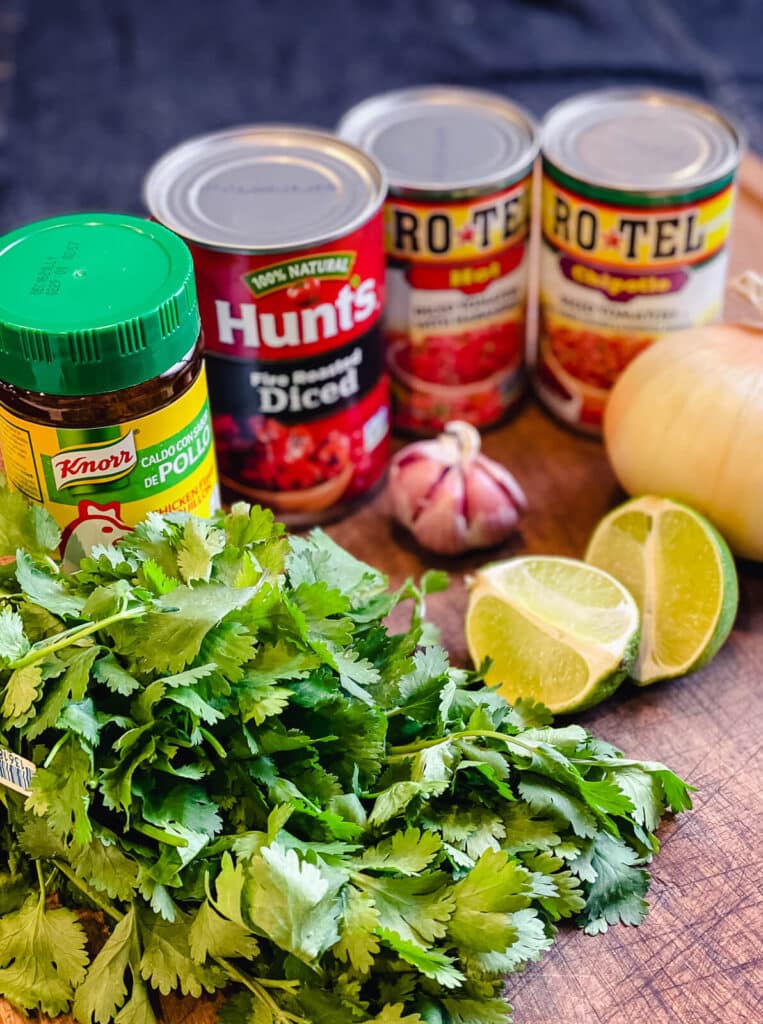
556,630
682,575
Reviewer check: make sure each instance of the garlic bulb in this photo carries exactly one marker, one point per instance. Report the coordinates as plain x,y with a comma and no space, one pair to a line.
450,496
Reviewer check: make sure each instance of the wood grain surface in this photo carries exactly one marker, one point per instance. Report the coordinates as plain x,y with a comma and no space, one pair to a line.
698,957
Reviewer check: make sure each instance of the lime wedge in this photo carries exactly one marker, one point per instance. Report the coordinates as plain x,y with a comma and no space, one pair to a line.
682,575
556,630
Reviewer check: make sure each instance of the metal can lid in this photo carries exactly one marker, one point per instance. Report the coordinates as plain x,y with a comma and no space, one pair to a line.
641,140
264,188
444,139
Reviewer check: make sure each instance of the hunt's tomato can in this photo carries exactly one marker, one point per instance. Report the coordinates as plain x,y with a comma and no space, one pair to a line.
285,228
638,188
456,227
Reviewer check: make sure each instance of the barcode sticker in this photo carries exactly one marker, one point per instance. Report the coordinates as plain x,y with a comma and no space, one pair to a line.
15,772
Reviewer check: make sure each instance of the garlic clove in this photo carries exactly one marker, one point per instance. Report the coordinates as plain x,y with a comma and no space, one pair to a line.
490,516
411,479
504,479
441,523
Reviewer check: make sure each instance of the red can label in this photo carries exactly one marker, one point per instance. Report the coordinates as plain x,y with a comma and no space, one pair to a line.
297,382
455,317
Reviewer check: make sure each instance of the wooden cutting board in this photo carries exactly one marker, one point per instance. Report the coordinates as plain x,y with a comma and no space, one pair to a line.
698,957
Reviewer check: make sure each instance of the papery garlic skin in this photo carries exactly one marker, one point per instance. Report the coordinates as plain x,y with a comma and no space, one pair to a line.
685,420
451,497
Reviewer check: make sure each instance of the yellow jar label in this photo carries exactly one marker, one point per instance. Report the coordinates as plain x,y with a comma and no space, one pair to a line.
98,483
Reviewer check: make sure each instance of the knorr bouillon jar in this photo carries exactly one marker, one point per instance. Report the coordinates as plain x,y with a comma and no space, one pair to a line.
104,414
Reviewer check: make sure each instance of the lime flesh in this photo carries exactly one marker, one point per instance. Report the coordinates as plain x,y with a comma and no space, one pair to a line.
555,629
682,576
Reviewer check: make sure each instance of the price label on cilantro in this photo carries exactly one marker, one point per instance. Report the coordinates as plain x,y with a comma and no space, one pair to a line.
16,772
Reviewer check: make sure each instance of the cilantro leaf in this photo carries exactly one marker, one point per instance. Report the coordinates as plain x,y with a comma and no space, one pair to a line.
530,943
476,1011
211,935
104,989
13,892
46,588
79,716
13,640
397,797
293,902
259,698
494,887
26,526
108,671
167,963
525,713
618,890
60,792
358,943
104,866
393,1014
430,962
42,957
544,796
644,791
408,852
22,690
229,885
473,831
137,1009
317,559
169,637
195,553
72,683
416,908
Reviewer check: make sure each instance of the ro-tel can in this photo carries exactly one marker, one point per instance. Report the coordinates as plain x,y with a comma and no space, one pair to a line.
637,196
285,228
456,228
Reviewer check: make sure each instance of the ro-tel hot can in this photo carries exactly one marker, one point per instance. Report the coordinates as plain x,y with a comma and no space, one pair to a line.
459,163
285,228
637,198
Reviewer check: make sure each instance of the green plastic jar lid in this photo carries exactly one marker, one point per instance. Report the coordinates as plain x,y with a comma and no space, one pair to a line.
91,303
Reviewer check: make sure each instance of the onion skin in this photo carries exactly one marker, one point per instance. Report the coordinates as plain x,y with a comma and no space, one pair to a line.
685,421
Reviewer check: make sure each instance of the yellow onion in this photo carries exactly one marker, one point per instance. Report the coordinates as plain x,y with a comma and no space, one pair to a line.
685,420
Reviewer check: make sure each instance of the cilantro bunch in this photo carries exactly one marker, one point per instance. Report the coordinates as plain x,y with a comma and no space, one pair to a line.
257,787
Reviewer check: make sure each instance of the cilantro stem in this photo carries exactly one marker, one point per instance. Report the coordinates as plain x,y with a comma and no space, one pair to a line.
213,742
160,835
40,880
258,989
84,888
72,636
408,749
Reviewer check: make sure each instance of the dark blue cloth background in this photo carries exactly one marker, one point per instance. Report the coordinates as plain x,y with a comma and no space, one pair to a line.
103,87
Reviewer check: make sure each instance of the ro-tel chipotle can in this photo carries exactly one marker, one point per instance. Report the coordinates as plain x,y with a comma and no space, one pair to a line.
285,228
459,163
637,197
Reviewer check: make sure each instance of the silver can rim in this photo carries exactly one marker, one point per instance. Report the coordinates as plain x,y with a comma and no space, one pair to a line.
731,125
519,168
185,150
